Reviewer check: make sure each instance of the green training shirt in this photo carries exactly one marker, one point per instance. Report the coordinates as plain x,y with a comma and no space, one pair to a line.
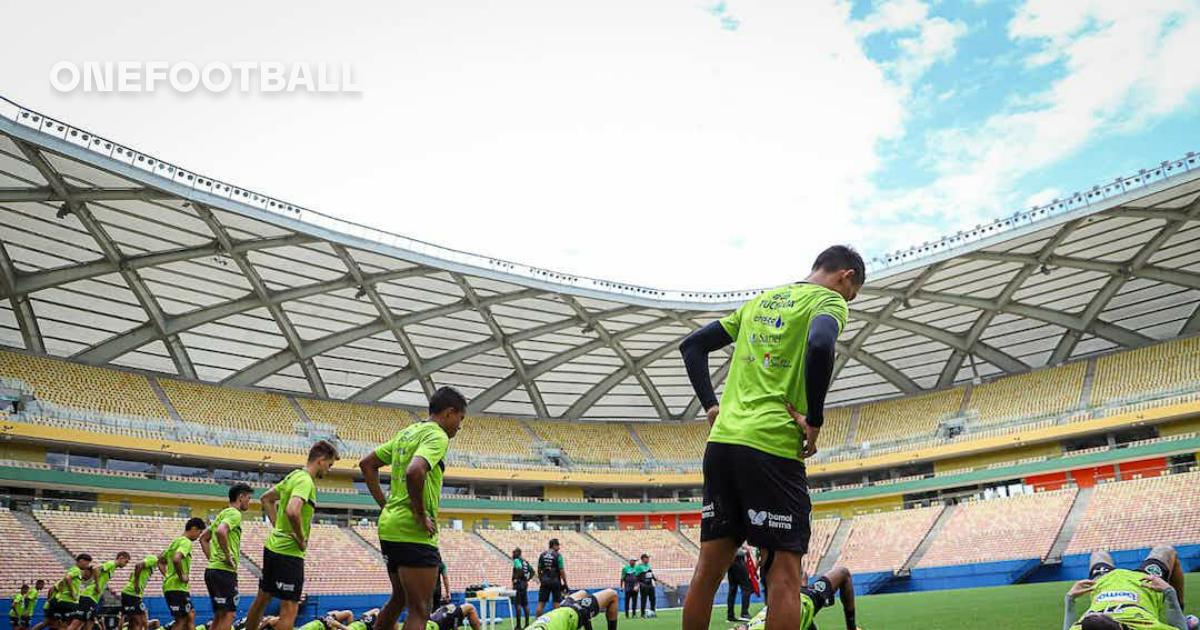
315,624
298,483
1121,586
232,517
808,613
18,606
357,625
767,369
74,582
561,618
137,583
428,441
102,575
173,582
31,599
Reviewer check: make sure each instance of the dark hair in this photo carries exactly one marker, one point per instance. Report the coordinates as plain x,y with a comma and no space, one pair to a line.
321,450
646,556
553,542
1099,622
195,523
41,582
83,556
517,552
25,587
839,257
238,489
122,554
447,398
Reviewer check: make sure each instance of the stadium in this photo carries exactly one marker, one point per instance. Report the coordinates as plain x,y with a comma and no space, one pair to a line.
1006,400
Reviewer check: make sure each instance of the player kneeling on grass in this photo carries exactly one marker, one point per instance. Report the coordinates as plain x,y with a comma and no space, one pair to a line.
1150,598
577,610
452,616
818,597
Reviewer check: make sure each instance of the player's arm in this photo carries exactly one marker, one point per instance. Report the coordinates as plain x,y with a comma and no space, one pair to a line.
472,616
1174,612
205,541
818,372
270,504
695,349
610,602
446,583
294,512
177,561
1079,588
369,466
843,582
562,573
414,480
223,541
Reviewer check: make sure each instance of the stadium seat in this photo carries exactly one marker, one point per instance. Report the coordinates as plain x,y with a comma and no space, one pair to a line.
78,386
590,442
469,560
487,437
1161,367
884,541
877,422
336,562
673,559
1140,513
822,533
23,558
1039,393
1014,528
371,424
231,408
673,442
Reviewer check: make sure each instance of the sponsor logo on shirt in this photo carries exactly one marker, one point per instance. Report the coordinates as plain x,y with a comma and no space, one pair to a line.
775,322
768,339
1109,596
707,511
284,586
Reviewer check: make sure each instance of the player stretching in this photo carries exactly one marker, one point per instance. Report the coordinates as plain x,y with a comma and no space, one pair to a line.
818,597
289,506
408,523
332,620
175,564
132,606
766,425
1151,597
451,616
18,615
89,599
577,610
221,575
64,604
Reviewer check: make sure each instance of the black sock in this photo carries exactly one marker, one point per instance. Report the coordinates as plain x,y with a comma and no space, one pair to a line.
612,624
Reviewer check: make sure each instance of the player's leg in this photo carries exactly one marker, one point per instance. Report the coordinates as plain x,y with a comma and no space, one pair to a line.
783,572
222,594
653,600
418,584
254,616
545,594
471,615
722,530
288,609
745,602
608,601
1163,561
1100,563
395,603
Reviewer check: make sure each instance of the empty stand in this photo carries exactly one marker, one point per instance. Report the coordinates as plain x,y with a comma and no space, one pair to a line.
489,437
673,441
691,533
336,560
83,387
673,562
373,424
103,535
1039,393
231,408
1015,528
822,533
906,417
23,558
883,541
1140,513
469,560
1160,367
588,565
595,442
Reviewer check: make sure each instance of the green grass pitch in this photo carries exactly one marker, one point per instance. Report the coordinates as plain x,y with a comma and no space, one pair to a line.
1019,607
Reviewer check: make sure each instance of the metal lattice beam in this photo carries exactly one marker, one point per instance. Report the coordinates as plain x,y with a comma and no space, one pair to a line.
589,398
22,308
385,314
311,373
34,195
399,378
146,299
631,366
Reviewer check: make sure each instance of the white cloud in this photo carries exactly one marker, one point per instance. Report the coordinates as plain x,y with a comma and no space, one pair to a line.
929,40
1124,65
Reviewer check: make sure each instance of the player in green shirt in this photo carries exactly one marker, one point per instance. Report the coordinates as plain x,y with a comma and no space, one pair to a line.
768,421
132,606
1150,598
646,585
17,611
815,598
28,604
289,506
175,563
89,599
408,522
576,611
221,575
64,606
451,616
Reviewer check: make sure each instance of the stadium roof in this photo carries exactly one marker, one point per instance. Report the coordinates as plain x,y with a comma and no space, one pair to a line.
112,256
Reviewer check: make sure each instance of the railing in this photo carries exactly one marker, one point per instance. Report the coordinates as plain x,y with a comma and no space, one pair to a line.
191,180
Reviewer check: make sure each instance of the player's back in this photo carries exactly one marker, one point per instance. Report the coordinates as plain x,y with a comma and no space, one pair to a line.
561,618
808,612
1121,595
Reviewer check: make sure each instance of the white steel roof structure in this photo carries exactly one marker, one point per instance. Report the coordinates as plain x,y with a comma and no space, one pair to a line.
109,256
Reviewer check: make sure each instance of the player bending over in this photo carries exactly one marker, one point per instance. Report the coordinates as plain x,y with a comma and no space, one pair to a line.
577,610
332,620
451,616
1150,598
818,597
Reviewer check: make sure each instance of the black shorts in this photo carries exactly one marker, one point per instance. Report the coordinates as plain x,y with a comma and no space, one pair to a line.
586,608
403,554
821,592
550,592
222,589
63,611
179,603
282,576
752,496
87,609
521,596
132,604
26,621
1149,566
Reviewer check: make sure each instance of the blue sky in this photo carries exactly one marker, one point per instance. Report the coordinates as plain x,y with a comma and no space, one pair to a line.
684,143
